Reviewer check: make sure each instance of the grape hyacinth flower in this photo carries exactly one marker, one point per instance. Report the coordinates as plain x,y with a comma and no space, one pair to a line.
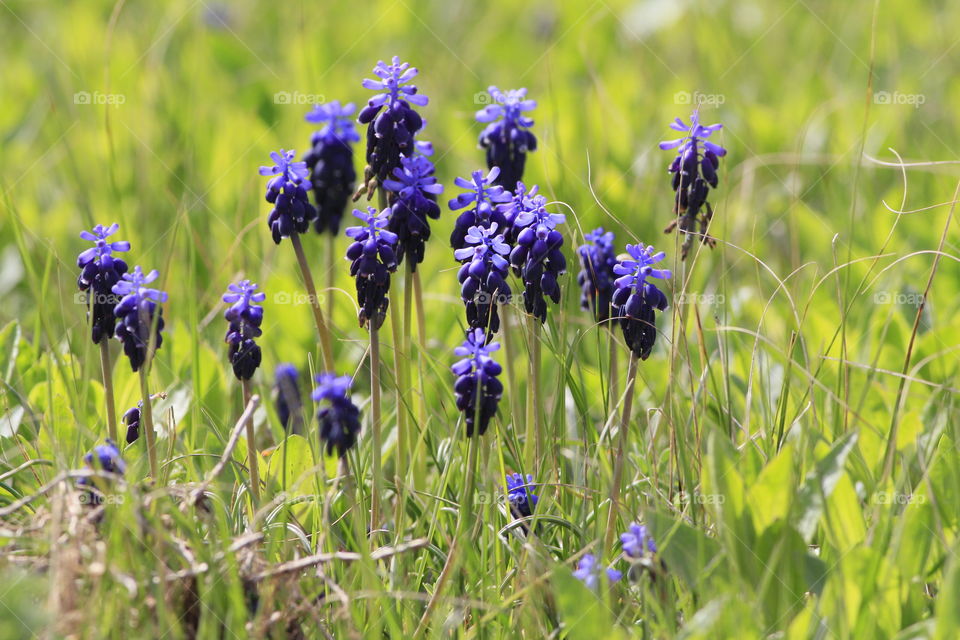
482,277
289,403
477,381
104,457
588,571
597,260
392,121
635,299
99,271
537,257
330,162
482,197
638,541
132,419
694,172
373,259
138,309
517,204
245,318
287,192
413,199
339,418
520,495
507,138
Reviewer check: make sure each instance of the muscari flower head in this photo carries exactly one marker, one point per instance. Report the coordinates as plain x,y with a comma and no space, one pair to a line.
104,457
483,277
517,204
694,171
413,198
520,495
99,271
372,259
132,419
637,541
635,298
477,381
288,397
245,318
392,121
507,138
330,162
537,257
339,418
139,308
597,259
287,192
480,200
588,571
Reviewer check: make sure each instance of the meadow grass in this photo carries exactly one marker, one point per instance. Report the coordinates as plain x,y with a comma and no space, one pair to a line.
792,444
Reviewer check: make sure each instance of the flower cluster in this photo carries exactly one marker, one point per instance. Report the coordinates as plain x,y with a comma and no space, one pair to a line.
597,260
245,318
413,199
514,207
392,121
138,310
589,570
694,172
287,192
635,299
637,541
507,138
373,259
477,388
132,419
339,418
537,257
483,276
99,271
481,200
520,495
330,162
289,404
104,457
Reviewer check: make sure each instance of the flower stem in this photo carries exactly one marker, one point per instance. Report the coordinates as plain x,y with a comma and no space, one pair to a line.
419,453
326,346
621,445
107,371
252,455
146,415
534,444
613,379
331,274
375,427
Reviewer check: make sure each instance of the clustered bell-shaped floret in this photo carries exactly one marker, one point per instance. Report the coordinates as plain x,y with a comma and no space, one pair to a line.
480,200
597,260
635,299
132,419
137,311
373,259
520,495
99,271
537,257
477,388
338,417
289,403
330,162
245,318
104,457
413,199
507,138
287,192
589,570
482,277
637,541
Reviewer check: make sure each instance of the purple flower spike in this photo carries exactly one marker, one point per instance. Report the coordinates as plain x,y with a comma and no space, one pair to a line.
588,571
597,259
245,318
99,271
373,258
287,192
520,495
483,277
135,312
477,381
330,162
537,257
289,403
507,138
635,299
338,417
638,541
481,200
414,190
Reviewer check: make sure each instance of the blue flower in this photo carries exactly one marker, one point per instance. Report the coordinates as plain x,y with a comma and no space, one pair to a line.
597,259
392,122
588,571
245,318
520,495
99,271
477,381
338,417
481,200
694,171
132,419
373,259
287,192
289,403
637,541
507,138
483,277
138,307
518,203
330,162
635,299
537,257
104,457
413,199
